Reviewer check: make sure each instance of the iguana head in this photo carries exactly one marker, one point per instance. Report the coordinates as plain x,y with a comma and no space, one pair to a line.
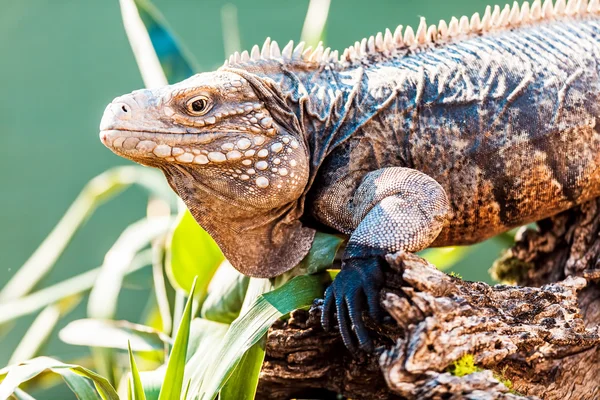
216,128
233,150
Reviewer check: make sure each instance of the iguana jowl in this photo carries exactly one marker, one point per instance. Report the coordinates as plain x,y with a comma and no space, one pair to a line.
445,136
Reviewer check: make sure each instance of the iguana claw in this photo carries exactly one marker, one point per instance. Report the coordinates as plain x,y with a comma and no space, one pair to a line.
354,291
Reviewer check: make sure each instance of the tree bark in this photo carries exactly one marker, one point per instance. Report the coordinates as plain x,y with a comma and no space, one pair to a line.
543,336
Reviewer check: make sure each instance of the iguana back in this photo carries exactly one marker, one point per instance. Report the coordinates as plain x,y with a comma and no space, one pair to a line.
505,122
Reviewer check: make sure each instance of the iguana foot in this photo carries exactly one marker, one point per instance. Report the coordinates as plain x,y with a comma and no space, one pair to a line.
353,291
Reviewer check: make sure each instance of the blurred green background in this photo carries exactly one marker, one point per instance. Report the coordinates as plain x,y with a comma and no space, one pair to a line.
62,61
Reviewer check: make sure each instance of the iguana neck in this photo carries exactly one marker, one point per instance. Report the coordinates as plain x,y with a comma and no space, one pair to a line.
260,243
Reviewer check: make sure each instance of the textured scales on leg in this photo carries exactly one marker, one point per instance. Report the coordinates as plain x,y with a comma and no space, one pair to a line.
500,110
393,209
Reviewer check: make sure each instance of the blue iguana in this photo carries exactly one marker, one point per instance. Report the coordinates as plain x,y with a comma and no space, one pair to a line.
444,135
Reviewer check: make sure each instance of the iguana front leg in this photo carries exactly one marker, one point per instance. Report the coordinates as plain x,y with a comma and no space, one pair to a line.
393,209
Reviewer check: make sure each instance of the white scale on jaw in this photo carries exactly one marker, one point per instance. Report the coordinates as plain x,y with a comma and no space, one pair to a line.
263,165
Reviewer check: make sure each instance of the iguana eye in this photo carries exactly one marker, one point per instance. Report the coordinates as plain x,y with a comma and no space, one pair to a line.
198,105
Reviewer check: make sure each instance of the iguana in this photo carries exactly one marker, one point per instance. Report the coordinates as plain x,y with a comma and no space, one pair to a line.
444,136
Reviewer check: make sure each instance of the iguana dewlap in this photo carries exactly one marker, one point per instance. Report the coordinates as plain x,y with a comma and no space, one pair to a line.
445,136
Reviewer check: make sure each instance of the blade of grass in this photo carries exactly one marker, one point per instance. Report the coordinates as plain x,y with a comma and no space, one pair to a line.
141,45
113,334
69,287
98,190
160,289
243,382
205,341
40,330
314,22
11,377
226,294
187,390
104,295
160,58
250,327
172,385
176,61
192,252
21,395
137,390
231,33
82,388
244,379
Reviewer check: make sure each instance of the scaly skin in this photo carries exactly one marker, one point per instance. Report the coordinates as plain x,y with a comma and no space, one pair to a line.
446,138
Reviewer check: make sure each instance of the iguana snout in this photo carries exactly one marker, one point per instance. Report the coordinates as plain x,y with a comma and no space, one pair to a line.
212,126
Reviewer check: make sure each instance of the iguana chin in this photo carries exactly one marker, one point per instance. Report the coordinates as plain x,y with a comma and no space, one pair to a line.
446,136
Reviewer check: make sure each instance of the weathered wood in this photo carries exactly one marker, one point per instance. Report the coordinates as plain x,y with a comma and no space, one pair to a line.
543,337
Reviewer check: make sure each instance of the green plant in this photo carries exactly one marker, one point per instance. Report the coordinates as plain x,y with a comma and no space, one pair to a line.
464,366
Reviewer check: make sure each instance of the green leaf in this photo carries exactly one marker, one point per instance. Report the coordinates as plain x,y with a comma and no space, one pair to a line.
226,295
322,253
250,327
243,382
21,395
136,383
315,21
113,334
187,390
192,253
159,57
42,328
152,381
175,60
83,388
74,375
104,295
320,257
205,341
446,257
173,382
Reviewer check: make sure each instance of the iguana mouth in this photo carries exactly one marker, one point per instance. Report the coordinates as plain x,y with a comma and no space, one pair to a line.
186,148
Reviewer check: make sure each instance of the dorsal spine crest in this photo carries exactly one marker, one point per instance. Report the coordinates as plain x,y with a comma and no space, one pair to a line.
494,20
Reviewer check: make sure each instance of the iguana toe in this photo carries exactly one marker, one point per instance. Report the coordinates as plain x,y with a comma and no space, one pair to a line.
354,291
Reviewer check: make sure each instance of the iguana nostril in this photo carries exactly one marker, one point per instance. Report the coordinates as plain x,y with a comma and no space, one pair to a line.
121,110
115,113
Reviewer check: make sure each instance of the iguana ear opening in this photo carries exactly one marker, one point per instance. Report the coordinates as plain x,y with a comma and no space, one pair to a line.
268,92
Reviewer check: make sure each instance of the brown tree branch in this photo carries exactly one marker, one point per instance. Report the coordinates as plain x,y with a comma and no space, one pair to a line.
545,339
